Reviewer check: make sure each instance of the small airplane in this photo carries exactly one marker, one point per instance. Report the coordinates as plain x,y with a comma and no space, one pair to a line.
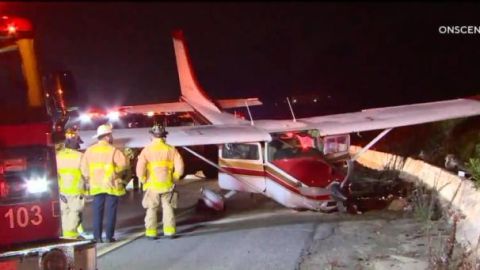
300,163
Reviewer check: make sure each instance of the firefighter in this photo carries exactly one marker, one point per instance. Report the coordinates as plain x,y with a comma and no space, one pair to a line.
71,185
104,167
159,165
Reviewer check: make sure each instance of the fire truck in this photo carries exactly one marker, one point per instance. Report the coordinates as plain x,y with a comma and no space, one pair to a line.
30,226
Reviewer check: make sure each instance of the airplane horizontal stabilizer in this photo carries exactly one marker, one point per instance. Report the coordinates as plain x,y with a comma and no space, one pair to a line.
238,103
159,108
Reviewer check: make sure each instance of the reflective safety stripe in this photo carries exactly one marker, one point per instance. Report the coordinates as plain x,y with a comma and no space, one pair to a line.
103,171
69,181
160,164
176,175
159,186
159,172
151,232
80,228
69,178
70,234
169,230
156,168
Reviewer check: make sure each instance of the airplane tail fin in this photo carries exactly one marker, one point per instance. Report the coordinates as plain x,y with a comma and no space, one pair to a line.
192,93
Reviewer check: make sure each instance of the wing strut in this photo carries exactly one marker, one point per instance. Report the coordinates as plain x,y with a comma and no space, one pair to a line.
291,110
249,113
370,144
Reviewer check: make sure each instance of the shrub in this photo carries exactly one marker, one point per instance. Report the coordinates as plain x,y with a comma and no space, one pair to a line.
474,166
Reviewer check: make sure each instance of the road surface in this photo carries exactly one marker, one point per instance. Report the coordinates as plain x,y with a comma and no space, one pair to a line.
257,233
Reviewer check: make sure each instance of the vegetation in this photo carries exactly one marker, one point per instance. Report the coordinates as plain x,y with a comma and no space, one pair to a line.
474,166
444,253
422,203
432,143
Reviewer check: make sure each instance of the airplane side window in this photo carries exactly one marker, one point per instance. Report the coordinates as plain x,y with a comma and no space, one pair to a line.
240,151
336,144
342,144
331,146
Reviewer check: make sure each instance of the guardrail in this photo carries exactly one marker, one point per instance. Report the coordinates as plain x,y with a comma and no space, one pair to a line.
466,200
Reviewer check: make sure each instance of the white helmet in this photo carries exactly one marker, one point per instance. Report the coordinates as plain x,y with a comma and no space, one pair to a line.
103,130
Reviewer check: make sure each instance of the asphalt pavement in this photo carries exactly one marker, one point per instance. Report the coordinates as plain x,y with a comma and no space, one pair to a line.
255,232
131,214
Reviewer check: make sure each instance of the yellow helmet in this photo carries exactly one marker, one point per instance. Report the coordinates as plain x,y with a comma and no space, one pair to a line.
71,134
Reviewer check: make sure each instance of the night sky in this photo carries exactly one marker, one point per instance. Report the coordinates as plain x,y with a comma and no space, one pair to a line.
352,55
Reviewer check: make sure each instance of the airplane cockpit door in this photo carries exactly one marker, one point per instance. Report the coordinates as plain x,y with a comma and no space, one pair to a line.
244,162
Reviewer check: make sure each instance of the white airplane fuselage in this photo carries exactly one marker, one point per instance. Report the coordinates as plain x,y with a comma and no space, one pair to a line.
295,173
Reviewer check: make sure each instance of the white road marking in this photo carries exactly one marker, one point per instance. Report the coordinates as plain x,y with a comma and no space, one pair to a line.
111,247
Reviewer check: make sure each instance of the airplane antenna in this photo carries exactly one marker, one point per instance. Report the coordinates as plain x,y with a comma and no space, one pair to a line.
291,110
249,114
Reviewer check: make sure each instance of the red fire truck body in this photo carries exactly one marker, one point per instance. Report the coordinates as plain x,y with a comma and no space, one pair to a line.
30,226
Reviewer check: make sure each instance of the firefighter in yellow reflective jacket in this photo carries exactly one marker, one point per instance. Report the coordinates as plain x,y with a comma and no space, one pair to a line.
159,165
71,184
104,167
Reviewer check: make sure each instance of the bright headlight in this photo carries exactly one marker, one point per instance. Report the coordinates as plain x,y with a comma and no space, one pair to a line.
37,185
113,116
84,117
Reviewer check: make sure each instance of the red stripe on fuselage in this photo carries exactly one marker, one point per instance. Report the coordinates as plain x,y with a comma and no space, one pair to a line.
288,186
244,171
279,180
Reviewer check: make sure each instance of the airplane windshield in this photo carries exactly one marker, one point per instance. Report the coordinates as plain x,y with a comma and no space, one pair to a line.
293,145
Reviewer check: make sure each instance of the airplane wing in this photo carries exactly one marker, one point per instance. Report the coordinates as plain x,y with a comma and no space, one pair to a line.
396,116
183,136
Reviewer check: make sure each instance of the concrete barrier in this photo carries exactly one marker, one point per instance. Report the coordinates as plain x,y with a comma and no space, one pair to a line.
452,189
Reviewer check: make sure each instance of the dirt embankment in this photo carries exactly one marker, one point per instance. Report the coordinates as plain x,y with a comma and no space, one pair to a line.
391,224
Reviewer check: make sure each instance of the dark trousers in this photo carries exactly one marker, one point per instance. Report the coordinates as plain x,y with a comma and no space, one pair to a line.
101,202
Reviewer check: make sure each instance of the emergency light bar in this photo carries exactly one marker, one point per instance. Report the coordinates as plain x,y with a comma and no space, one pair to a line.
12,25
